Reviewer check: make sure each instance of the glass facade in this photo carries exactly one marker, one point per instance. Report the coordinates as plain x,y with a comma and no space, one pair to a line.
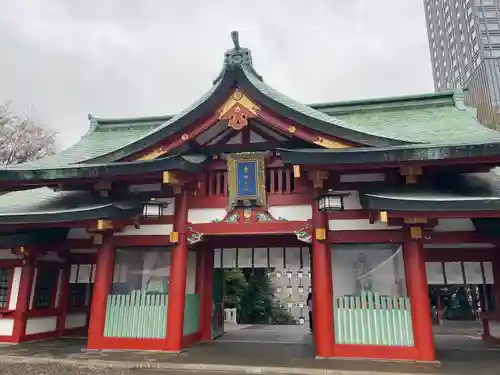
464,42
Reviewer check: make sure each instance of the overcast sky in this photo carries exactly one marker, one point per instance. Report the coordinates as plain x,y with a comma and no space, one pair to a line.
61,59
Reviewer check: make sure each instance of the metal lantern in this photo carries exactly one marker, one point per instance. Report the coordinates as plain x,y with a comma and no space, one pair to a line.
152,210
331,201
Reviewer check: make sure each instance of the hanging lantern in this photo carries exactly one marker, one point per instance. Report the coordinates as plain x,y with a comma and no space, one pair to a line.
331,201
152,209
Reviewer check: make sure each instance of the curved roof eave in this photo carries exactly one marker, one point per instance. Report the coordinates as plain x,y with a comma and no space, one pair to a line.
107,211
84,170
414,153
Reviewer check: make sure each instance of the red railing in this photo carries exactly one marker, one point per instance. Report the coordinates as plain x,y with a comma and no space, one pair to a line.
279,181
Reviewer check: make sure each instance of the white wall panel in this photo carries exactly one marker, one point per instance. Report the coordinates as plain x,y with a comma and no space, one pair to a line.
205,215
6,326
76,320
14,291
300,212
41,325
146,230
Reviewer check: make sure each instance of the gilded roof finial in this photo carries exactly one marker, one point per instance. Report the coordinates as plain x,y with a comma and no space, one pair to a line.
236,39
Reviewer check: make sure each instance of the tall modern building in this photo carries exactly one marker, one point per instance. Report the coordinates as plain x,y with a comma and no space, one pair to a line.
464,41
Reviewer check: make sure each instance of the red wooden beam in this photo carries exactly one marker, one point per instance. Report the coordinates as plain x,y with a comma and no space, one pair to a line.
366,236
302,133
260,228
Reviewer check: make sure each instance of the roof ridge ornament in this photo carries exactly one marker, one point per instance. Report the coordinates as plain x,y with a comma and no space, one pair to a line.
236,39
459,98
237,57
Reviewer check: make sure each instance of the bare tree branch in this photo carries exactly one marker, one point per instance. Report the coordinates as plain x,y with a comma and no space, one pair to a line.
22,139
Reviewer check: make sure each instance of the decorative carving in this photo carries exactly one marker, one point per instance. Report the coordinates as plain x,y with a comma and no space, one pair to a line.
246,180
263,216
193,236
248,215
233,217
328,143
305,234
237,109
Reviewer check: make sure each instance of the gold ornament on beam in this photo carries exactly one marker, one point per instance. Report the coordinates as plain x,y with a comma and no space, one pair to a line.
320,234
328,143
296,171
416,232
174,237
237,109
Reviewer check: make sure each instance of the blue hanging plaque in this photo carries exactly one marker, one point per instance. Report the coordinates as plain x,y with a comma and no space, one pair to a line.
246,177
246,174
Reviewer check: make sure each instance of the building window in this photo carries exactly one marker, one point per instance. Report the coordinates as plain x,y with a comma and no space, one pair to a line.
80,285
46,288
5,282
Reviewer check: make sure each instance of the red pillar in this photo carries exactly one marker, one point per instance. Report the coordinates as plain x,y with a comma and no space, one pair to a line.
322,291
105,262
178,271
23,299
63,298
416,281
207,303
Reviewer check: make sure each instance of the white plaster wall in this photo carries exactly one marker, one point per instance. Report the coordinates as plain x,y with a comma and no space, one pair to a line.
358,224
76,320
365,177
41,325
146,230
454,225
205,215
191,273
6,326
14,291
78,233
293,213
7,254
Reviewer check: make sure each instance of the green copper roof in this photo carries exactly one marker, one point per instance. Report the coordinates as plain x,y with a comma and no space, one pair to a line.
103,137
45,205
437,118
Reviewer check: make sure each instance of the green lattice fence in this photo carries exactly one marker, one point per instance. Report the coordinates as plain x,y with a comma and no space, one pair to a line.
372,319
136,315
